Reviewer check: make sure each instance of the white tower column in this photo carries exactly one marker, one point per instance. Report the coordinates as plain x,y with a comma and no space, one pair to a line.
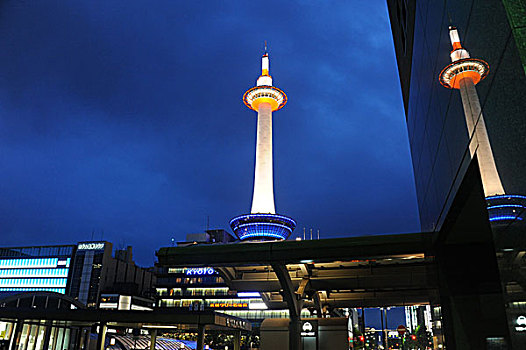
464,73
263,197
263,223
479,138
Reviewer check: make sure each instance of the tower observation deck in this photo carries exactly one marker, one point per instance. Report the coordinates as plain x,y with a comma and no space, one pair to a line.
463,73
263,223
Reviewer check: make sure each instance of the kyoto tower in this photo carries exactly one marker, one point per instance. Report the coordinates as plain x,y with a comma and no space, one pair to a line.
464,73
263,223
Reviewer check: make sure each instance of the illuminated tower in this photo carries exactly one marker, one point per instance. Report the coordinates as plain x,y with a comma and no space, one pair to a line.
263,223
464,73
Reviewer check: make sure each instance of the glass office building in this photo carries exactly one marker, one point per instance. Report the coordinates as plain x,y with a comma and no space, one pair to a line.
97,271
87,271
28,269
436,125
448,179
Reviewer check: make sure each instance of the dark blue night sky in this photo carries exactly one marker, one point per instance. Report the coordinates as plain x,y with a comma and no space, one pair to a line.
124,119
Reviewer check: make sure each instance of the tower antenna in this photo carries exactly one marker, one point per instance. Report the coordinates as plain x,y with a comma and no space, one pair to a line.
449,16
266,47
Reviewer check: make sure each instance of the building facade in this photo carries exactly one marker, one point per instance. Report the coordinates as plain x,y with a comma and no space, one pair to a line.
438,133
31,269
96,271
451,159
85,271
203,288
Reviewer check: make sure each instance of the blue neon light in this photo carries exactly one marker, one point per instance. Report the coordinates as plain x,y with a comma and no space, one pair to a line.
506,206
261,226
33,282
266,223
29,263
507,196
501,218
18,273
262,235
200,271
56,290
264,216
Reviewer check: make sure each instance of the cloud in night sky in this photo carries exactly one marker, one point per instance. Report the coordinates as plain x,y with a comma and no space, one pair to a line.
125,119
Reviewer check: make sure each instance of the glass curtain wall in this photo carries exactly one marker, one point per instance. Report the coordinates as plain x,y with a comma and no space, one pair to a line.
33,337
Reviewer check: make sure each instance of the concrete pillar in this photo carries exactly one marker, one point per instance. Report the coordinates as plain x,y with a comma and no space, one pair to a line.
295,333
479,138
200,337
263,198
237,340
153,339
101,339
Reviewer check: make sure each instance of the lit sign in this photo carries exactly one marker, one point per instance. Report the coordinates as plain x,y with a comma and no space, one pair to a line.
235,323
90,246
227,305
200,271
309,329
257,306
521,324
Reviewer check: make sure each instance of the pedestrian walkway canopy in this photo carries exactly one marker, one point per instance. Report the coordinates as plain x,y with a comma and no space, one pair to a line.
124,342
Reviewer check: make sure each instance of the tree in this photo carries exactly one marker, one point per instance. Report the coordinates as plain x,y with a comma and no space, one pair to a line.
419,339
359,339
423,337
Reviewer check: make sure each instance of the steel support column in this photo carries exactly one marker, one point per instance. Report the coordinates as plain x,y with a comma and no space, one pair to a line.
294,304
153,339
200,336
237,340
317,304
101,339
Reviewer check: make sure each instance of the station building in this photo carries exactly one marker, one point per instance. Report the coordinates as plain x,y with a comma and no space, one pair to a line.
204,288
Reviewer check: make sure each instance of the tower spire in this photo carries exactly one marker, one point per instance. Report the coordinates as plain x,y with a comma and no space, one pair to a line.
265,78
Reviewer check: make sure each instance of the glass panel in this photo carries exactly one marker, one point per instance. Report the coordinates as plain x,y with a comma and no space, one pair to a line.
60,338
40,338
52,339
32,337
5,330
65,343
23,337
